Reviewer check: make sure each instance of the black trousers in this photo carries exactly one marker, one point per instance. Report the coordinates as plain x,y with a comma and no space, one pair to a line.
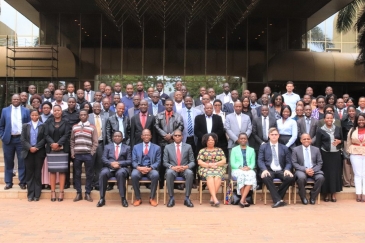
33,174
68,173
121,175
191,142
277,194
79,159
97,164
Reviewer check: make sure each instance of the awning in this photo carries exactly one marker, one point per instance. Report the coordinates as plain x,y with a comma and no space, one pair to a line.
315,66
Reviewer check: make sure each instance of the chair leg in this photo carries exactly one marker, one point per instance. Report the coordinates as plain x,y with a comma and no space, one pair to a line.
254,197
289,194
264,188
158,190
164,193
319,198
132,196
224,190
200,191
126,190
295,194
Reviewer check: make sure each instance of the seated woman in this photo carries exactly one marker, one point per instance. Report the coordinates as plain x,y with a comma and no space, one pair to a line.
288,128
211,161
242,163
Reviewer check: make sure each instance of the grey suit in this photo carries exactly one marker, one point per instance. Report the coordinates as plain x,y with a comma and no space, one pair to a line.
66,96
131,112
298,164
233,130
201,108
302,128
170,160
221,97
91,96
175,122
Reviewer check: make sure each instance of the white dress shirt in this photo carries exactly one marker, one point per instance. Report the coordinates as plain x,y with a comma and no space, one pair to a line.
309,154
16,120
291,100
63,105
178,107
239,120
267,125
209,123
273,166
226,97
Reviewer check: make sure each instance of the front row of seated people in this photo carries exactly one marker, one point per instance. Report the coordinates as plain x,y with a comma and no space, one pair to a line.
274,162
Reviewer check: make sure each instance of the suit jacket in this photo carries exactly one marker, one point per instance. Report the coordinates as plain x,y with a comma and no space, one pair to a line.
103,124
154,153
160,108
112,125
297,159
302,128
323,140
145,95
228,108
49,98
265,157
91,96
107,114
232,128
221,97
184,115
187,156
64,131
258,112
344,113
66,96
200,129
41,140
124,158
197,101
136,129
257,130
162,128
5,122
130,113
163,98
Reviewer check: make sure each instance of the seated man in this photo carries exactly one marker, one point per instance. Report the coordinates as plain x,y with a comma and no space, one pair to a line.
275,162
178,158
146,158
116,159
307,161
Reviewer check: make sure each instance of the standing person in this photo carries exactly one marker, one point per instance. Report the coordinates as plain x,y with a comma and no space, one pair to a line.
253,101
355,143
33,153
36,102
318,113
24,100
331,99
102,86
287,127
345,98
277,102
88,93
264,101
135,109
12,118
328,91
307,100
47,96
118,90
97,98
84,141
308,124
290,97
309,91
217,109
178,86
140,90
70,92
228,107
108,93
155,106
202,91
178,102
31,91
128,97
160,90
329,141
116,100
51,88
361,103
58,96
266,91
81,101
247,110
63,89
347,124
106,106
205,100
225,97
57,148
118,122
116,158
341,109
299,112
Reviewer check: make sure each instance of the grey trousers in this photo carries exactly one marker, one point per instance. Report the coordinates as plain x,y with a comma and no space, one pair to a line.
137,176
302,181
171,175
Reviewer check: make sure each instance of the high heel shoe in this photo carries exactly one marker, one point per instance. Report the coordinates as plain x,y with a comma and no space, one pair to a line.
333,199
53,196
60,199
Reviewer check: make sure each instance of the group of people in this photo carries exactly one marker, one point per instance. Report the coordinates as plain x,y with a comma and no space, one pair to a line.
148,134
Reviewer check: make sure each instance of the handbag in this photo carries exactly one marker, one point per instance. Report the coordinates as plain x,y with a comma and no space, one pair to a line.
235,199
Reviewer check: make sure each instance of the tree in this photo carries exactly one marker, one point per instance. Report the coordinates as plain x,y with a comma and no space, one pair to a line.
319,39
360,26
347,16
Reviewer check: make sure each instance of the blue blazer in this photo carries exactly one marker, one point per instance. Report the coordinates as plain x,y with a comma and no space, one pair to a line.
160,108
5,122
154,153
124,158
228,108
265,157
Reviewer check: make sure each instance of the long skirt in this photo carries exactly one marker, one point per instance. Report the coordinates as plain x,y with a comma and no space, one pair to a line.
332,169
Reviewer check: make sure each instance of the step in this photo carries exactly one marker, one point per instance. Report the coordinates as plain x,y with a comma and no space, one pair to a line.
2,166
16,179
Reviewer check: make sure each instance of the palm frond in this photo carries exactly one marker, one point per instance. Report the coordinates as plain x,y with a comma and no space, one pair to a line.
347,16
360,25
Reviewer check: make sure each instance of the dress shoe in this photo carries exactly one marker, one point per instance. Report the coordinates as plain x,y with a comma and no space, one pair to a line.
30,199
47,187
60,196
67,185
217,204
258,187
22,186
153,202
137,202
278,204
109,188
88,197
8,186
312,201
96,188
53,196
189,204
171,203
78,197
242,205
333,200
247,204
36,199
326,199
148,186
100,203
124,202
304,201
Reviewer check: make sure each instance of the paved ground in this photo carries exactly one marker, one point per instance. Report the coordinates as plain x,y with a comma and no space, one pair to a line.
45,221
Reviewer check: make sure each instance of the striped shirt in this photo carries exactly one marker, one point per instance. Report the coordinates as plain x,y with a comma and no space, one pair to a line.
84,139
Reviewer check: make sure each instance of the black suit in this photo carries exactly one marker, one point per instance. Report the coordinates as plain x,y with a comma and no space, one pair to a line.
163,98
302,128
136,129
33,161
197,101
257,131
112,125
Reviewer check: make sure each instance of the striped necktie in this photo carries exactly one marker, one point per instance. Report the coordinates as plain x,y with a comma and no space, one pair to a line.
190,125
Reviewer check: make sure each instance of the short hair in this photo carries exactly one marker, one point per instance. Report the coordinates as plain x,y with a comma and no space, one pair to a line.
117,132
71,98
206,137
169,100
71,84
320,97
159,82
217,101
351,106
283,108
272,129
36,97
57,106
328,106
32,110
187,96
289,82
328,113
243,134
47,103
305,134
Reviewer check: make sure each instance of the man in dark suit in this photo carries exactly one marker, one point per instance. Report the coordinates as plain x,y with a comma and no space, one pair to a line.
11,121
31,91
228,106
70,92
266,91
155,106
264,101
88,93
178,160
106,108
118,122
47,95
163,96
275,162
146,159
308,124
116,159
118,90
135,109
143,120
198,101
307,161
341,109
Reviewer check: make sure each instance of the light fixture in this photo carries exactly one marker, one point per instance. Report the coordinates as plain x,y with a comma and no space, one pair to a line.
75,20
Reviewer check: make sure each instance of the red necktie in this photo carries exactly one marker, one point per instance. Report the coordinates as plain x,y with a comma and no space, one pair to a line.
87,96
116,152
178,154
146,149
340,114
143,121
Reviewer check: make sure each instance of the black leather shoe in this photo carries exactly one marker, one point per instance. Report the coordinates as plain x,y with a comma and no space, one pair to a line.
312,201
242,205
188,203
78,197
67,185
8,186
278,204
22,186
304,201
101,203
36,199
30,199
171,203
88,197
124,202
109,188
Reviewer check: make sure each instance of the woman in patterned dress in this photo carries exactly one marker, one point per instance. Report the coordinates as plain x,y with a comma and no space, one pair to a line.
212,163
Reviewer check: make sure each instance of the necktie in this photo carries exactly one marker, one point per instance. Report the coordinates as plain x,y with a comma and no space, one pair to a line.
264,128
71,95
154,110
143,121
306,159
87,96
97,124
340,113
190,125
307,125
274,155
178,154
146,149
116,152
